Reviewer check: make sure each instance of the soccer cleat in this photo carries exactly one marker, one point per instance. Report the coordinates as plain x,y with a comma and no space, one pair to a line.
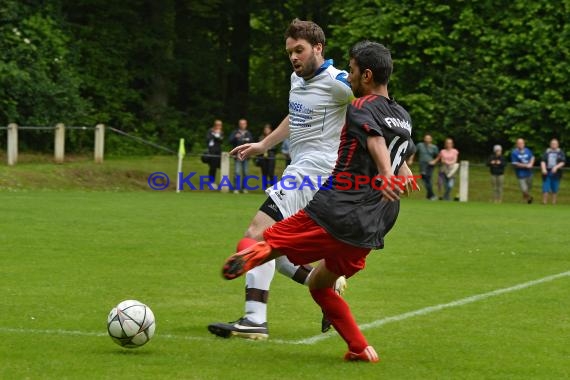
325,324
340,286
242,328
368,355
241,262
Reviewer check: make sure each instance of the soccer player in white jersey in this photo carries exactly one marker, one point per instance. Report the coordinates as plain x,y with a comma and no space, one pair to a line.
318,99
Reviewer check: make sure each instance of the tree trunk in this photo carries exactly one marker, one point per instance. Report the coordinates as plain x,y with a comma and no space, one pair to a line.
238,79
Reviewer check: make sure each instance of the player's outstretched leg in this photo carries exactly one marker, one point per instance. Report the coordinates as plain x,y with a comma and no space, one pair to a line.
248,326
301,274
253,324
340,286
239,263
337,311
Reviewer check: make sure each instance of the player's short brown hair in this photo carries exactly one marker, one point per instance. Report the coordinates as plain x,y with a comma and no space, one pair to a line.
307,30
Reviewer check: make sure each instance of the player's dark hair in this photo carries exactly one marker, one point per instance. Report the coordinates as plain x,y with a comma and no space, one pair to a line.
306,30
375,57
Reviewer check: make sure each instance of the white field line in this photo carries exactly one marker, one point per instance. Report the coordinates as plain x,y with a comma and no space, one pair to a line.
11,330
86,333
317,338
433,309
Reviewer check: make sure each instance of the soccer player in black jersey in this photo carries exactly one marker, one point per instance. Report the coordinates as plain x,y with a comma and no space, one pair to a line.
352,213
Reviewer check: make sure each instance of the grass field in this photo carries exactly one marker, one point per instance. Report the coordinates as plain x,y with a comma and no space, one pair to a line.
68,256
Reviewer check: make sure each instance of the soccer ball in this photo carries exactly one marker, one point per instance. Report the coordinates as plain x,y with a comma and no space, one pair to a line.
131,324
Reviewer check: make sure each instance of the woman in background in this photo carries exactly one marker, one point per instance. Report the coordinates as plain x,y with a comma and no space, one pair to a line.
448,157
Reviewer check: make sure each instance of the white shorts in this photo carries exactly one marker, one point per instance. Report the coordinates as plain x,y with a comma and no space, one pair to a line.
293,192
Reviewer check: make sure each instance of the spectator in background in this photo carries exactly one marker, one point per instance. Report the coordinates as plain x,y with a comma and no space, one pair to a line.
496,164
523,160
448,157
214,139
427,154
551,165
239,137
267,160
285,151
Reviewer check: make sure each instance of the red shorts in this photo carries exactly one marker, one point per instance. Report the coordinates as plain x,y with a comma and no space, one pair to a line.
303,241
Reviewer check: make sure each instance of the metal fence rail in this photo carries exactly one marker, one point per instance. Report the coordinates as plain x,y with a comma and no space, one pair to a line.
141,140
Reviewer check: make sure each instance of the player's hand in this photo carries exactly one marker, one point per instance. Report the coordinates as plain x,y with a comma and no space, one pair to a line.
245,151
411,184
386,187
390,194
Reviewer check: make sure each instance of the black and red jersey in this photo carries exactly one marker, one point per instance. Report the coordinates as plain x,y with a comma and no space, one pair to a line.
352,210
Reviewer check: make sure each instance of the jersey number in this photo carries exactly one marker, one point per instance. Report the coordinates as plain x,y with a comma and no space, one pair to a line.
399,153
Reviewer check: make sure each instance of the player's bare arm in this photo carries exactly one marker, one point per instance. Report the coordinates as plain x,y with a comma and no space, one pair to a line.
379,153
252,149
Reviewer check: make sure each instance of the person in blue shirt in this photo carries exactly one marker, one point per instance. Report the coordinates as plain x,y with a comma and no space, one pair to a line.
523,161
551,166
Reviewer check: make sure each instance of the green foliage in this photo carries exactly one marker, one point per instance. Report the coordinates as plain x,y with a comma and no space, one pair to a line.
39,84
482,72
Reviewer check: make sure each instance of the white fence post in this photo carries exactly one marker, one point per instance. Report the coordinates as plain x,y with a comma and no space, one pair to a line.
59,143
99,143
12,155
463,181
225,170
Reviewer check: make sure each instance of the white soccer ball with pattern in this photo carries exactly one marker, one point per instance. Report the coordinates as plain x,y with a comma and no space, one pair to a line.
131,324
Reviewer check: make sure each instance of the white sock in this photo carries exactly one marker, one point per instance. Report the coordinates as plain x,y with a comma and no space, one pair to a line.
256,312
259,278
285,267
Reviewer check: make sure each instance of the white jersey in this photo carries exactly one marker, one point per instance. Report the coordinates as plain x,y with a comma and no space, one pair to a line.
317,110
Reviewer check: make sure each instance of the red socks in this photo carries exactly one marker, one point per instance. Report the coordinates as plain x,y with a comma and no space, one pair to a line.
245,243
337,311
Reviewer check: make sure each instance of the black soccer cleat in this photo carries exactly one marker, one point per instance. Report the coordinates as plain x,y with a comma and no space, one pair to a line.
242,328
325,324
